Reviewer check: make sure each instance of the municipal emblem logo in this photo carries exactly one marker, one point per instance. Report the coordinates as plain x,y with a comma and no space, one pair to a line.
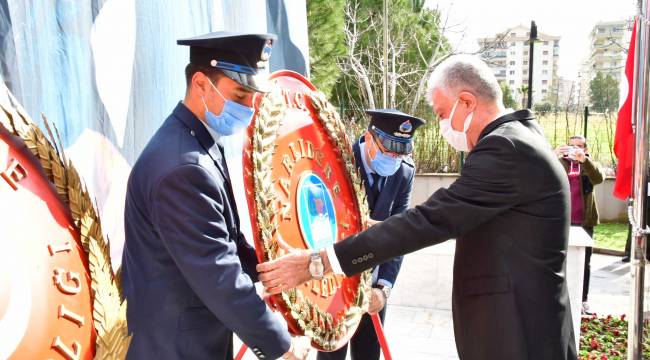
266,51
406,126
316,213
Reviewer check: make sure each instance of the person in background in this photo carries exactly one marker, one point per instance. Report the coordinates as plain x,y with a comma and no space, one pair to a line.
382,156
583,175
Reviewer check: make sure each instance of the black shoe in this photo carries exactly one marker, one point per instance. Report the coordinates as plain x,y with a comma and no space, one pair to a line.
626,258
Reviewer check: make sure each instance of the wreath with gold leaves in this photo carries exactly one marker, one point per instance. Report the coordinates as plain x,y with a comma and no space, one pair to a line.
109,311
316,324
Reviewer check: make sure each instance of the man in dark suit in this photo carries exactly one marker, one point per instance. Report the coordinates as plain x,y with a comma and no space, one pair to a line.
508,210
187,270
382,157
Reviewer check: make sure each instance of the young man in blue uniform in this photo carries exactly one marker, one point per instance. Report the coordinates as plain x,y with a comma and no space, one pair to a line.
382,155
188,272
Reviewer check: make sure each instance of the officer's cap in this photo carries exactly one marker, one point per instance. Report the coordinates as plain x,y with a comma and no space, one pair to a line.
241,57
394,129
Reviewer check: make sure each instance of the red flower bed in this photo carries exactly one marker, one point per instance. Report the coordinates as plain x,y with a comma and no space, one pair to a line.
605,338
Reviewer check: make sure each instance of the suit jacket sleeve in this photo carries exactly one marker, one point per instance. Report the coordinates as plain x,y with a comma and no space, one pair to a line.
389,270
488,185
247,257
188,215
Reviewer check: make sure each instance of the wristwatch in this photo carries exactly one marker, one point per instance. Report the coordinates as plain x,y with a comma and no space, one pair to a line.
316,267
385,290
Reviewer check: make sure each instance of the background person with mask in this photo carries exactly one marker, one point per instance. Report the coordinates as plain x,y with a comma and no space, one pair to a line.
509,214
187,270
583,175
382,157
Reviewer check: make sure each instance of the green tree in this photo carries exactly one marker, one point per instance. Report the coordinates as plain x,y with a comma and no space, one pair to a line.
508,98
543,108
325,22
417,5
523,90
414,45
603,92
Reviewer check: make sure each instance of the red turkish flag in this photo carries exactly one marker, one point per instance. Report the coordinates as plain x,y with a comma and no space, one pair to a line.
624,140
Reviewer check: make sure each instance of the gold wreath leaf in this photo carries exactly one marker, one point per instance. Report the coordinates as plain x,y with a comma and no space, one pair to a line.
109,312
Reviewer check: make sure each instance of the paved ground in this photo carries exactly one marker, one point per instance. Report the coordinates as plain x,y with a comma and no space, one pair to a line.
419,324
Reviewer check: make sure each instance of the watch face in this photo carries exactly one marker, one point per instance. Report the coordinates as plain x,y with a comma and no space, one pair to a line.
316,268
386,291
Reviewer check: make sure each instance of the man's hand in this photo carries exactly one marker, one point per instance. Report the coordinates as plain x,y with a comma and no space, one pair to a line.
377,301
298,350
372,222
286,272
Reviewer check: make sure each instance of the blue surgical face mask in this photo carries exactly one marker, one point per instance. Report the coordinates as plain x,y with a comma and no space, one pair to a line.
385,165
234,117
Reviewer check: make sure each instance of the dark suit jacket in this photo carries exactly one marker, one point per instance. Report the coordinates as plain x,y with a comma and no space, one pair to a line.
509,211
186,268
393,199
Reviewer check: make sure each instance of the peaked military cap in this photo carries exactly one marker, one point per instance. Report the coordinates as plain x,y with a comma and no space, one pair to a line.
394,129
240,57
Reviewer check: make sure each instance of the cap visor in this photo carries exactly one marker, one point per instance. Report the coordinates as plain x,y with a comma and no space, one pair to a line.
258,83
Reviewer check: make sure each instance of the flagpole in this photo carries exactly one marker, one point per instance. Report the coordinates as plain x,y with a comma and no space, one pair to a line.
637,210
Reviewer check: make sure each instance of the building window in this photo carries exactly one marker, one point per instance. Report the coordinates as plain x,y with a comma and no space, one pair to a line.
512,63
545,62
544,72
601,30
513,34
544,91
545,42
512,82
545,52
526,52
525,71
512,72
544,82
512,44
512,53
525,62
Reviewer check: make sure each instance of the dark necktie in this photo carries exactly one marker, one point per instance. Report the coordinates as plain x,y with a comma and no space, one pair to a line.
229,190
376,180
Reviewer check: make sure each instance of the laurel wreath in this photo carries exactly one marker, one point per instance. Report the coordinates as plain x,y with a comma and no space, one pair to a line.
315,323
109,312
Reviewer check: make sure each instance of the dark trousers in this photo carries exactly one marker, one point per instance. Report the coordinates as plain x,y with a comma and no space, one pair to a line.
587,275
628,242
363,345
